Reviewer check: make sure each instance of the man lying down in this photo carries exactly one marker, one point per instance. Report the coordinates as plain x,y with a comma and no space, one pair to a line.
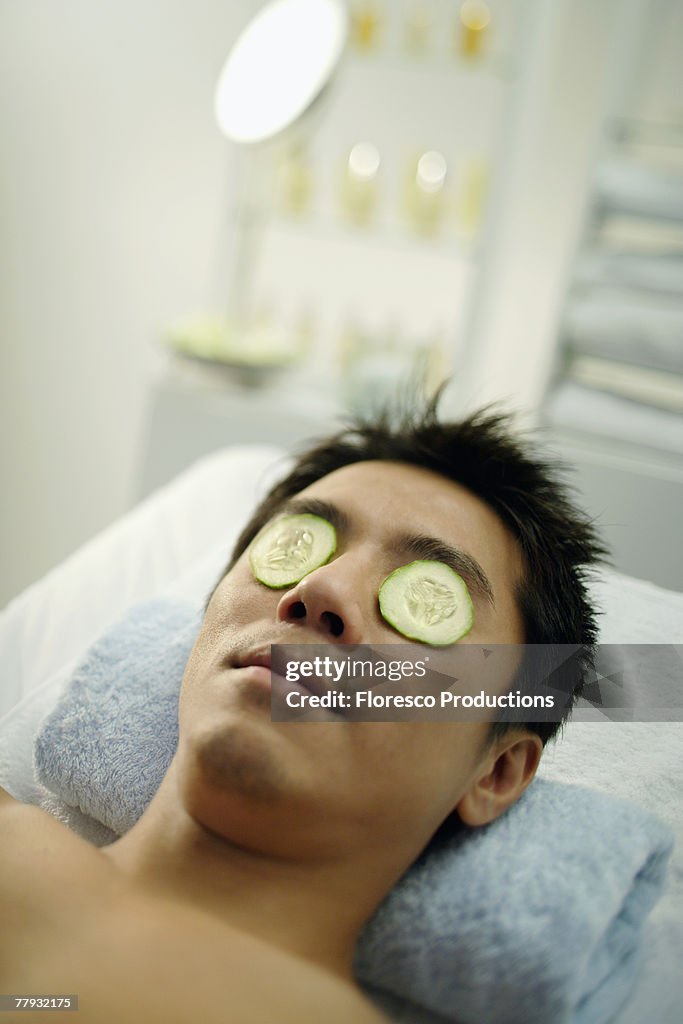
240,893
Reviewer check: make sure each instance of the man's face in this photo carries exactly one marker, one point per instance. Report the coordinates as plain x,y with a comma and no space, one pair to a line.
320,786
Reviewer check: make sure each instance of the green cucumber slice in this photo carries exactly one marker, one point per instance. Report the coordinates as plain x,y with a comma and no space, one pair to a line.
288,549
427,601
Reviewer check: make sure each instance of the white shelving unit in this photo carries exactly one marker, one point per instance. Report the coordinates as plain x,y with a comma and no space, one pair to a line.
387,278
615,407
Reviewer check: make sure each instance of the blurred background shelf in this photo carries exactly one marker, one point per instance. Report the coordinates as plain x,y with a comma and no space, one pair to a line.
498,66
330,229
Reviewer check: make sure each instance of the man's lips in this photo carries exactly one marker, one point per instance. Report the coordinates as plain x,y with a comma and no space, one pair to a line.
262,659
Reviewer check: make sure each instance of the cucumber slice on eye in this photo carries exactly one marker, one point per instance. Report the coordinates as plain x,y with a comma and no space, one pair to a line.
288,549
427,601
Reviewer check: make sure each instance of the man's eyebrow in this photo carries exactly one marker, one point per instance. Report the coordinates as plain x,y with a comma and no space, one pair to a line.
317,507
433,549
417,545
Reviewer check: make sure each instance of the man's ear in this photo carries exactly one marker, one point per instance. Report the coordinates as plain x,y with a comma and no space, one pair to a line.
507,769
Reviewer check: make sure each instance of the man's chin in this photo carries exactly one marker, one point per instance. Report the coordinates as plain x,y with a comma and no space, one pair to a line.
236,758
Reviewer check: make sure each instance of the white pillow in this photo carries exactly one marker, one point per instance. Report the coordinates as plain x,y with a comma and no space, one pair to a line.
175,537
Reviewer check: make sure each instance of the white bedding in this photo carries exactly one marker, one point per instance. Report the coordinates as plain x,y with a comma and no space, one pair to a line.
179,540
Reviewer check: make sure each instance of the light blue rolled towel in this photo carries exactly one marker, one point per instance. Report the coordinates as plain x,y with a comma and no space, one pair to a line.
109,740
535,919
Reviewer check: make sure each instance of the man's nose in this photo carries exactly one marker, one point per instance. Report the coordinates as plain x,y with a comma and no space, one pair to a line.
328,601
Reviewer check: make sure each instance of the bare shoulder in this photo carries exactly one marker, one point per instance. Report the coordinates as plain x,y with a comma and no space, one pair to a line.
59,896
37,851
23,824
360,1010
312,994
6,800
47,877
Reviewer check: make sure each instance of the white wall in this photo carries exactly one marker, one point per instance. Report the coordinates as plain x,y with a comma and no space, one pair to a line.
112,185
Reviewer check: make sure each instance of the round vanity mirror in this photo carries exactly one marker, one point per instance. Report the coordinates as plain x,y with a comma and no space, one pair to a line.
278,67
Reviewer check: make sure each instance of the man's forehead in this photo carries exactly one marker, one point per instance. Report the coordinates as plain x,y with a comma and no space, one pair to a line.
411,490
386,496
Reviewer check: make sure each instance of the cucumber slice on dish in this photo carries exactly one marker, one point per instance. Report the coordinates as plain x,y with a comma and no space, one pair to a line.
288,549
427,601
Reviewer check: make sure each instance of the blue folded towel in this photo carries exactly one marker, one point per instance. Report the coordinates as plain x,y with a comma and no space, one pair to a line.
108,742
536,918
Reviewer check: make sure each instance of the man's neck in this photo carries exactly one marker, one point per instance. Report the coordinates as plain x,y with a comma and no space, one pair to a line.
312,910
